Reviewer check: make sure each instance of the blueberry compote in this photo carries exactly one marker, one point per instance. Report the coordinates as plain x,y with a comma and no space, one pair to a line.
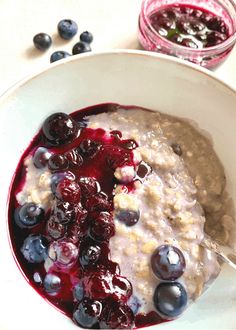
189,26
63,248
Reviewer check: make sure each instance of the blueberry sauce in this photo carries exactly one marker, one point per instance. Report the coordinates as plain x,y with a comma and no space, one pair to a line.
189,26
81,280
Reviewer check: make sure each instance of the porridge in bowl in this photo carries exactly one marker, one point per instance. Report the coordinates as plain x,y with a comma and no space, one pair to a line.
107,213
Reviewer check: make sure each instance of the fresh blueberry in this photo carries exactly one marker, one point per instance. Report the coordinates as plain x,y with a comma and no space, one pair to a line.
170,299
67,28
168,262
129,217
134,304
42,41
78,292
34,248
28,215
52,284
81,47
41,157
60,128
86,37
87,312
58,55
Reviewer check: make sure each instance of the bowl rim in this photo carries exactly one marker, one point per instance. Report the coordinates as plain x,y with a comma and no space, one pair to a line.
115,52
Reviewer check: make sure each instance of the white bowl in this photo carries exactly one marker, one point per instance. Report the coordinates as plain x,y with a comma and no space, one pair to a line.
127,77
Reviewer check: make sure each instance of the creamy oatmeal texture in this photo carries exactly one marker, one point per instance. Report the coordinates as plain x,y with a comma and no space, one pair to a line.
176,200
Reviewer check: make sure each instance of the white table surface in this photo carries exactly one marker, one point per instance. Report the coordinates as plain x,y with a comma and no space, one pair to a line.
114,25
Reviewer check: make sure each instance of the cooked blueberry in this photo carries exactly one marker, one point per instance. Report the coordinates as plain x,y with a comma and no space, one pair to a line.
215,38
98,285
67,29
90,255
34,248
217,24
58,162
143,170
117,316
59,55
187,42
59,176
68,191
184,26
170,299
78,291
86,36
81,47
89,186
89,148
29,215
74,158
176,38
54,228
98,202
65,212
60,128
177,149
63,253
134,304
102,227
122,288
42,41
52,283
129,144
87,312
41,157
117,156
128,217
168,262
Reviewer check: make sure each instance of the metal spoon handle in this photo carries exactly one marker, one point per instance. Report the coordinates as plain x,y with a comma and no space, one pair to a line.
226,254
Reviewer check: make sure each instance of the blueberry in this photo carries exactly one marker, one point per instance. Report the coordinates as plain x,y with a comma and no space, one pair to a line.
102,228
78,292
81,47
89,148
86,37
58,162
64,253
52,283
170,299
177,149
87,312
168,262
67,28
117,316
129,217
28,215
34,248
41,157
42,41
58,55
59,176
60,128
90,255
54,228
134,304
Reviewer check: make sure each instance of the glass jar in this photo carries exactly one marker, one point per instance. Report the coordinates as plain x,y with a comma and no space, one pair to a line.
208,57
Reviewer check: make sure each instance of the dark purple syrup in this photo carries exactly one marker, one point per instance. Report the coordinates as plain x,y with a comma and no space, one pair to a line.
189,26
94,269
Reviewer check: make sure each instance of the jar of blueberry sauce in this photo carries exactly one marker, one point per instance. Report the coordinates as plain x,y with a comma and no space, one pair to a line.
202,32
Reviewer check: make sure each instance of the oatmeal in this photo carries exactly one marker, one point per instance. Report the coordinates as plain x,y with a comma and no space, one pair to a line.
119,202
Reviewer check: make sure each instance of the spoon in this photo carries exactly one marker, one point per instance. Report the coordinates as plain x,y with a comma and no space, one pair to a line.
225,253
